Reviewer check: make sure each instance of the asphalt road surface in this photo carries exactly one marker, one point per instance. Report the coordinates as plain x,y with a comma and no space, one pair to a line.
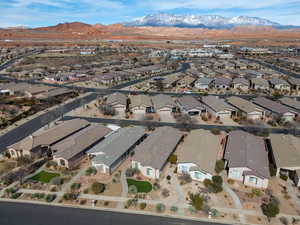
36,123
30,214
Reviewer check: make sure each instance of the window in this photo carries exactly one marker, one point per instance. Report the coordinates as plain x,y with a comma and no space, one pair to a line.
185,169
253,180
198,175
62,162
235,173
149,171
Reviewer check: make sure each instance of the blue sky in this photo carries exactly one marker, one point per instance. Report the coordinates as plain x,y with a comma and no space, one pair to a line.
35,13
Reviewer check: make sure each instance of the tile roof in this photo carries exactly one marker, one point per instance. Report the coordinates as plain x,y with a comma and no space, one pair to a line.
246,150
200,147
155,149
243,105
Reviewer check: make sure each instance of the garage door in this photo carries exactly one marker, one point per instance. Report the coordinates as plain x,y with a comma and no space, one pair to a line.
224,115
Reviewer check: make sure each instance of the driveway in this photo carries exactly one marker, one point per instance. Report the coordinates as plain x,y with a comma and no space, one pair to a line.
166,117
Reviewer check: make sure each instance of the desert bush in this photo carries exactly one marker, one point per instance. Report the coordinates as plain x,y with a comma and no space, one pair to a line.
160,208
143,205
98,188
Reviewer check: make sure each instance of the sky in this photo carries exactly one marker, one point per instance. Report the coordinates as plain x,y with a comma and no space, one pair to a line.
35,13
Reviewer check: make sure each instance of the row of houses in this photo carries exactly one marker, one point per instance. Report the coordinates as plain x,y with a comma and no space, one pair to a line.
32,90
255,109
245,84
248,157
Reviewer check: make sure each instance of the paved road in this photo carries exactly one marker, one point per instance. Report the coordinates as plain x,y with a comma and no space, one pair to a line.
30,214
123,122
35,124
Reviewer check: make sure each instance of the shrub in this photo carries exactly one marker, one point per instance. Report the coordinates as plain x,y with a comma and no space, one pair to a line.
75,186
215,131
50,198
91,171
256,192
143,205
220,165
82,202
160,208
173,159
174,208
132,189
230,181
217,180
156,186
168,177
270,210
196,200
38,196
106,203
69,196
98,188
15,195
283,177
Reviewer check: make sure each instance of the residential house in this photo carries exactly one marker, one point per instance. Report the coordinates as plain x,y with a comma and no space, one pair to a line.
107,155
152,154
189,105
13,88
246,108
57,92
203,83
292,103
117,100
218,107
247,159
259,84
164,103
280,84
275,109
295,83
39,144
35,90
141,104
241,83
69,152
199,155
285,155
222,83
186,82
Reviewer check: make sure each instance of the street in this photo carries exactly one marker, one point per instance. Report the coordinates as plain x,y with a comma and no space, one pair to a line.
30,214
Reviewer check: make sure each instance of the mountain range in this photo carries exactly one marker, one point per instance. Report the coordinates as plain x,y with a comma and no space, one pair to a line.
201,21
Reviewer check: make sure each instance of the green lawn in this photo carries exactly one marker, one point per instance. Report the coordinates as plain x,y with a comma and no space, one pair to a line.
142,186
44,177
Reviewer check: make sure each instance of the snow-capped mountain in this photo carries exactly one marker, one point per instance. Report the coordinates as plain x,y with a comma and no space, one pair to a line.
208,21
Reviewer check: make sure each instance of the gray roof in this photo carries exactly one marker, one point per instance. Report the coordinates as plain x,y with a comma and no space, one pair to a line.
189,102
15,87
50,136
286,150
116,98
216,104
55,92
241,80
222,81
161,101
155,149
116,144
293,103
260,82
200,147
204,80
140,100
80,141
276,81
272,105
243,105
246,150
294,81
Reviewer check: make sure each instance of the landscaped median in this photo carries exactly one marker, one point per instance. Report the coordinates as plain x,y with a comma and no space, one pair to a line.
141,186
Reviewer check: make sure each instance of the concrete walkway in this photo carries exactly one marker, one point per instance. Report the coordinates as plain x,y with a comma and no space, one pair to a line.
123,180
292,192
179,191
236,200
